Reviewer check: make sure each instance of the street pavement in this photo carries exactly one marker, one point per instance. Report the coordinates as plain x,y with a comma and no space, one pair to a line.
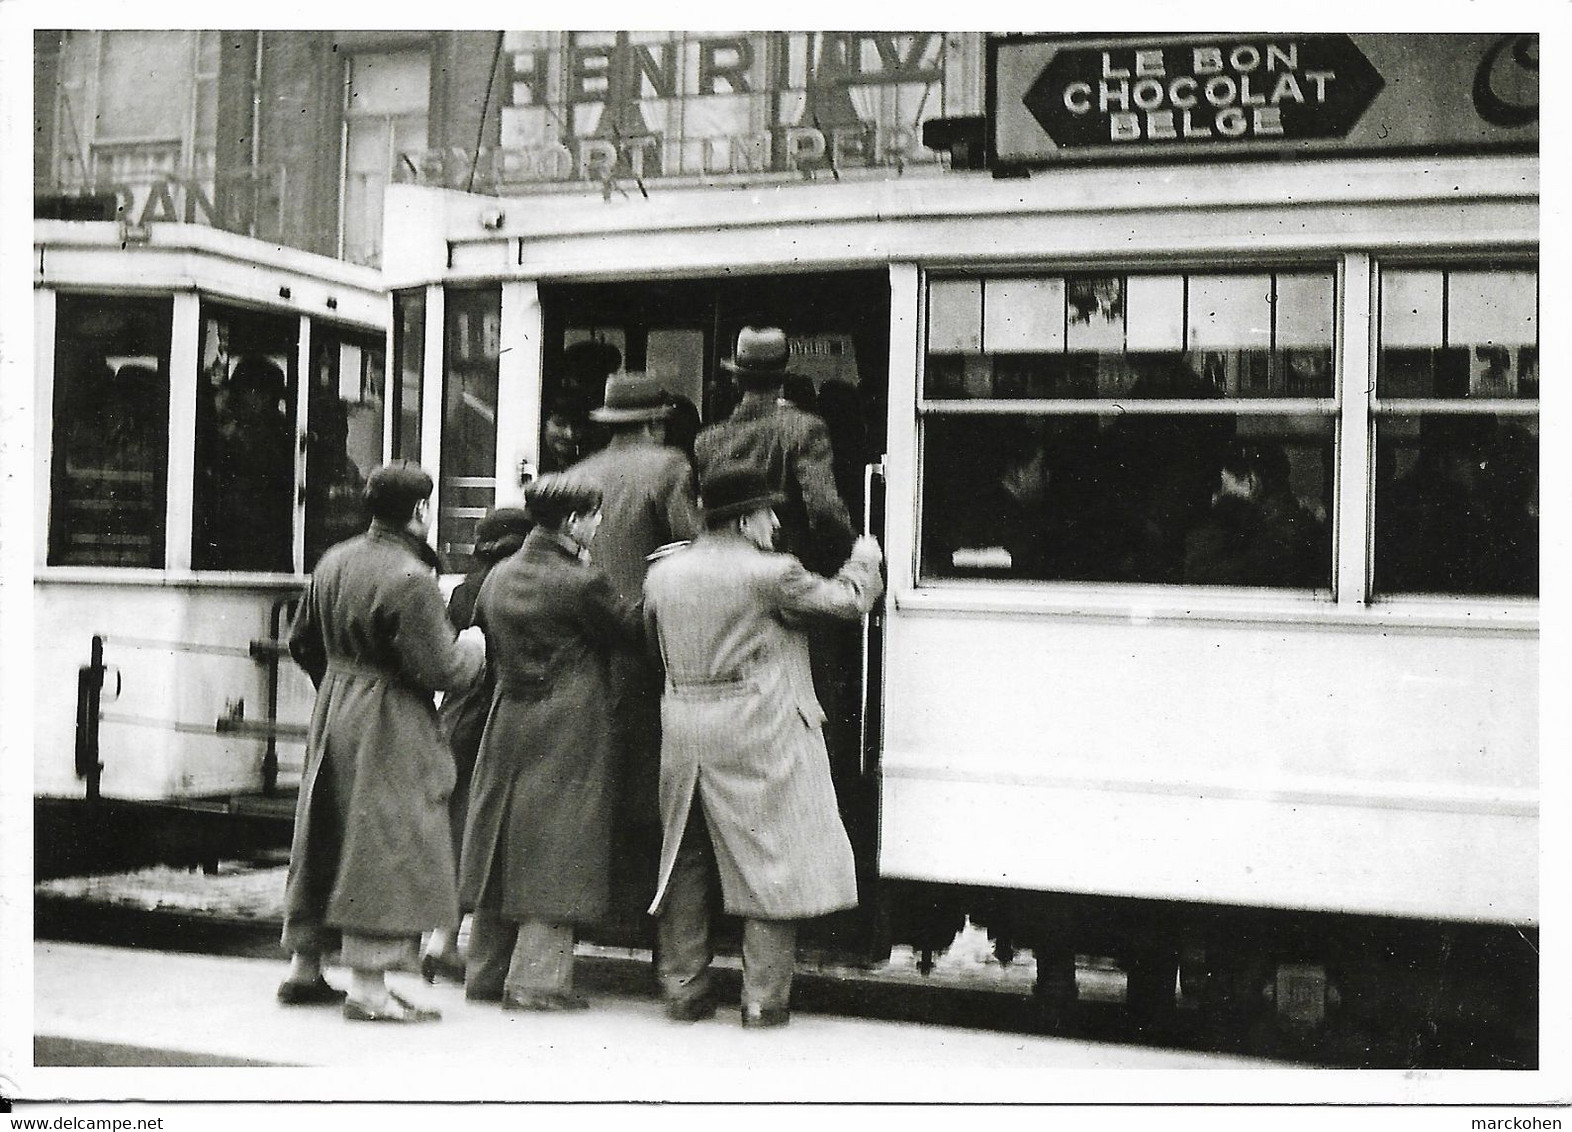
110,1006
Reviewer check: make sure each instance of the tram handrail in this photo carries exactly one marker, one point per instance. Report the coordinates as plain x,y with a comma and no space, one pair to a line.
90,688
868,472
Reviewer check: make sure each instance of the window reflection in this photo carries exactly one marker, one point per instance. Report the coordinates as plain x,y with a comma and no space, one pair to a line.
1266,335
111,410
1457,493
245,451
344,415
473,343
409,353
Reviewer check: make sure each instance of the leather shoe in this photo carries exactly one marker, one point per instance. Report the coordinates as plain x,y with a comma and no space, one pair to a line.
764,1017
396,1009
695,1009
318,992
553,1001
434,967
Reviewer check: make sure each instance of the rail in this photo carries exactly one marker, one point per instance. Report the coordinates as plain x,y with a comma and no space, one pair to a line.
90,715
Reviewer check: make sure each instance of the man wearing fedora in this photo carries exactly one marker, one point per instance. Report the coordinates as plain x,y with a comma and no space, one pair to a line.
746,799
789,446
646,491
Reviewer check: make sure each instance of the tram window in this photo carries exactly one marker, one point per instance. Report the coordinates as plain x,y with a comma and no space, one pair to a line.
1457,432
472,343
409,361
111,423
1046,483
1129,498
245,442
344,415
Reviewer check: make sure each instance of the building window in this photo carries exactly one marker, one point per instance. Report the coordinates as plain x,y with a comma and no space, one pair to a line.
386,96
1145,428
155,153
344,417
1457,431
245,442
111,424
473,346
409,359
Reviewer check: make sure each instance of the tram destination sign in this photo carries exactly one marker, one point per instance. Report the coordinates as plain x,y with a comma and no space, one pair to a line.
1063,99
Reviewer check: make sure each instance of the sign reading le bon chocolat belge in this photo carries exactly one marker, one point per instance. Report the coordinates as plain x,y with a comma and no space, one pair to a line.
1062,99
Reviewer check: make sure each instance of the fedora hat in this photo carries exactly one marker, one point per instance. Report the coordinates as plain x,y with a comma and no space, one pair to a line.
729,492
761,352
633,397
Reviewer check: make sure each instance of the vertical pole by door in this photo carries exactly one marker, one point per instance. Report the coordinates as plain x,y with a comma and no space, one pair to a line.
185,356
432,390
43,419
1357,370
518,388
303,383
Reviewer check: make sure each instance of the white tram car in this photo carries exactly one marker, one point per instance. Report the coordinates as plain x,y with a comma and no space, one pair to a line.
1264,781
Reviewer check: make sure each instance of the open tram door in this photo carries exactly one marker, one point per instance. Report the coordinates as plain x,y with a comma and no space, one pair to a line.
837,324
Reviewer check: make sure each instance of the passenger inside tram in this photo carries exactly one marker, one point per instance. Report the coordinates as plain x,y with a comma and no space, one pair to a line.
1258,533
246,490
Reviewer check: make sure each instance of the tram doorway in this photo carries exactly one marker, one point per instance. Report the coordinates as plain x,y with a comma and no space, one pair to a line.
837,324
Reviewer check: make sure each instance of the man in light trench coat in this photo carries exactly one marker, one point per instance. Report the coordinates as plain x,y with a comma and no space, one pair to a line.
745,789
372,858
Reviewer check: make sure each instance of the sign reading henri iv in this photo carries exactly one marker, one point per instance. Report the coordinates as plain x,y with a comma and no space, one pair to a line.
1066,100
602,107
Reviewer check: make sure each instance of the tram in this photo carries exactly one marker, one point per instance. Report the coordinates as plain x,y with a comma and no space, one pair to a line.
1100,749
1308,779
207,406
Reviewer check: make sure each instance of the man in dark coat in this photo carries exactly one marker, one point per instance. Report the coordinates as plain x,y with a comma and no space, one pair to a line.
790,447
499,534
372,858
647,501
537,844
746,798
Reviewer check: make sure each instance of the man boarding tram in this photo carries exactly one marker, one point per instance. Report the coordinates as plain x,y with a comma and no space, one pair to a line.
745,791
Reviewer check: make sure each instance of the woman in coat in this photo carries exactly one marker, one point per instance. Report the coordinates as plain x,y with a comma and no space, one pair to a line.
745,789
537,844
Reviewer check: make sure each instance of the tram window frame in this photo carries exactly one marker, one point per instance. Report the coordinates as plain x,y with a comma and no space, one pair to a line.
128,488
1279,378
1455,430
407,378
243,510
346,413
471,378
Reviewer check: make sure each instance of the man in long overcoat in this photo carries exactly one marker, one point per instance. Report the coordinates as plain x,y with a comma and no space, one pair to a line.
791,448
371,865
745,787
537,845
647,501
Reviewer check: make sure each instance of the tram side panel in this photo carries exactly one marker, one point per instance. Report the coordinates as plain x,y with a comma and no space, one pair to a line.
176,747
1259,765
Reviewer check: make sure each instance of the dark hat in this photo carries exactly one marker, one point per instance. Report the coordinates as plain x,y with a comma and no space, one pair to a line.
633,397
761,355
737,490
393,490
501,531
552,498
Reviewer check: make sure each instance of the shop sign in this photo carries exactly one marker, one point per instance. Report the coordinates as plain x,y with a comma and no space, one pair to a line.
1061,99
1307,87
